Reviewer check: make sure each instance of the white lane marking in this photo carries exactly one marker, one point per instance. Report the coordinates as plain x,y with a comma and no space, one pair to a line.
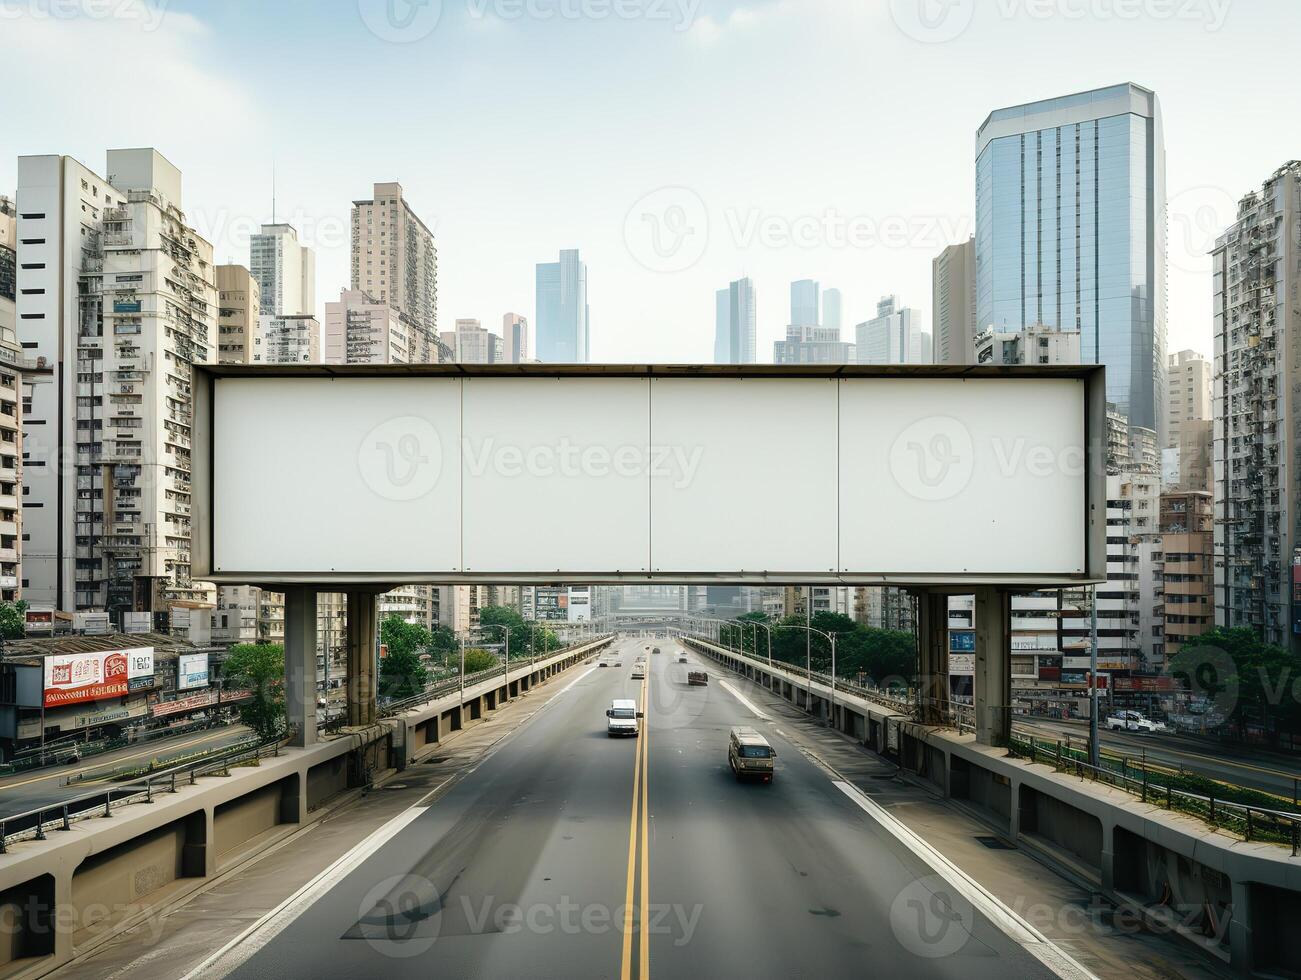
282,916
740,697
569,685
1014,926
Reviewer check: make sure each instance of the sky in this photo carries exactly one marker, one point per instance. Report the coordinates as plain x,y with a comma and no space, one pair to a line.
678,144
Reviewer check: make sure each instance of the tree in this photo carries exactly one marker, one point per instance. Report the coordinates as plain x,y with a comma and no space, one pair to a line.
259,667
13,620
1243,677
402,674
477,661
403,638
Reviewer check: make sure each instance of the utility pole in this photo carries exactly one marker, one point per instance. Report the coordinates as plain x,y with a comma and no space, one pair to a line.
1094,754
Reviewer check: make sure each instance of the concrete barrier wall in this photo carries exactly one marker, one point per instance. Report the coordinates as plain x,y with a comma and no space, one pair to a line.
77,886
1223,893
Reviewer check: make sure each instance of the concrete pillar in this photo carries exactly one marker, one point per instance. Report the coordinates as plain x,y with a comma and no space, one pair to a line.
933,656
362,624
993,681
300,665
1242,952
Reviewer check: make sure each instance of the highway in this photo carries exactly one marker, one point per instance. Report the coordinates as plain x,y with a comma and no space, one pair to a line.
1269,772
565,853
41,787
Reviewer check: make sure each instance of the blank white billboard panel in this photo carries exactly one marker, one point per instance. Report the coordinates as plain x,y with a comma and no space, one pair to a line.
331,475
554,475
589,474
747,467
951,476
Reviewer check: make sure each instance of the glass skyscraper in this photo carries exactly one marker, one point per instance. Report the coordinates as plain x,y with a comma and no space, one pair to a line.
562,313
734,324
1070,232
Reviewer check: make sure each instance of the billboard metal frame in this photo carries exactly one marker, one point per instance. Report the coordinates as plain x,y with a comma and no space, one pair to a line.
1093,521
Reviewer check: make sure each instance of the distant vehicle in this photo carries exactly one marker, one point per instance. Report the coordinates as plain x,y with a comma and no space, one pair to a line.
603,664
639,670
750,755
682,658
656,650
697,678
1133,721
621,717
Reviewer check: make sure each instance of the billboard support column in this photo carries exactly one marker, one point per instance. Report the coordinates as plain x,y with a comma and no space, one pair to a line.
993,680
933,656
362,623
300,665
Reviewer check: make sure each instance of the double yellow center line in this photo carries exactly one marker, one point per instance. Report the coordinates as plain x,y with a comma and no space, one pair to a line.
639,830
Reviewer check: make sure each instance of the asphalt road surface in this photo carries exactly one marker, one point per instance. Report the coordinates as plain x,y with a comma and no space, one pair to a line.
566,853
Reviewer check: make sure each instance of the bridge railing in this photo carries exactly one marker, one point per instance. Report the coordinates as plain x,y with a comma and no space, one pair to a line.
33,824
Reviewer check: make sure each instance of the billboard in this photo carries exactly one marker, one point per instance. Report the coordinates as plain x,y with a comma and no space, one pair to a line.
77,678
649,474
191,671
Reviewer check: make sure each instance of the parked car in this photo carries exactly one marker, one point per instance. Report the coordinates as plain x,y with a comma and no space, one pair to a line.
1133,721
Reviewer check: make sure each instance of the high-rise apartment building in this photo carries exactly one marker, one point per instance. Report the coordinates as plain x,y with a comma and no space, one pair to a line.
1188,556
8,263
472,343
1071,233
394,258
1257,425
893,336
119,295
360,329
289,339
18,375
1034,345
1187,451
515,339
239,305
734,324
806,296
285,271
563,328
953,303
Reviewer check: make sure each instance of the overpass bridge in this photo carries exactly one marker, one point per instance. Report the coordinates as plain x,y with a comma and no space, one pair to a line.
514,837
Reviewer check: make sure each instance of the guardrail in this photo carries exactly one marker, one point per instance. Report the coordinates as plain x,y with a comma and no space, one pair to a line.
32,824
1246,820
447,685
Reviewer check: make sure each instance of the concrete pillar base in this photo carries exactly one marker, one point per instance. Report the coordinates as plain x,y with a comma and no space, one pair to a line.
300,665
993,681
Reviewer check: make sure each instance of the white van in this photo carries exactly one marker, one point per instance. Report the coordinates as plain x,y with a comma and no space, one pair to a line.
621,717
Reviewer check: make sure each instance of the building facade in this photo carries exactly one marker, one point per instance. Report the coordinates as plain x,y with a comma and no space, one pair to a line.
953,303
239,305
515,339
289,339
735,324
1071,233
1257,426
394,258
120,297
893,336
562,314
285,271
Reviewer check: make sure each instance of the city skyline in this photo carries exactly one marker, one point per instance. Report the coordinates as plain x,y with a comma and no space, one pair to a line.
529,215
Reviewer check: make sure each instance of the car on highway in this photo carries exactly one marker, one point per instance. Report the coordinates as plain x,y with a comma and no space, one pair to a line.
603,664
1133,721
655,650
682,658
697,678
621,718
639,670
749,754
